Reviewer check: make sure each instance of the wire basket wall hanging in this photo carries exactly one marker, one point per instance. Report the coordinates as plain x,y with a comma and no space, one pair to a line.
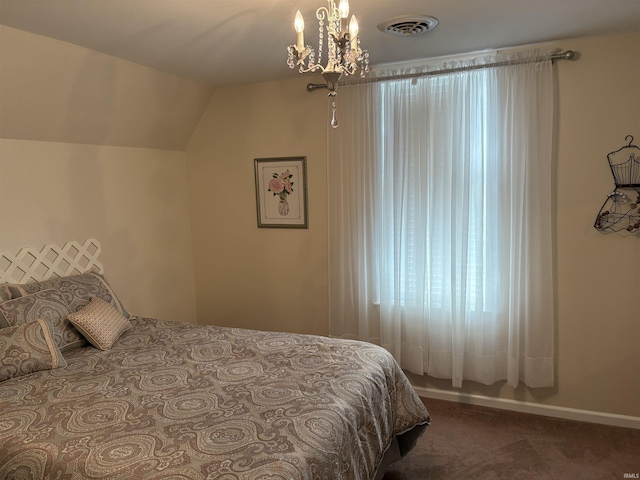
621,209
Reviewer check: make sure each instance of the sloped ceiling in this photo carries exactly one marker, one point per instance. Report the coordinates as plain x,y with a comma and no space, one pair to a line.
58,92
224,42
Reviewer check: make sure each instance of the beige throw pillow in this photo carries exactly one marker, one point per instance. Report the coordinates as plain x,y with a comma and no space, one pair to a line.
100,323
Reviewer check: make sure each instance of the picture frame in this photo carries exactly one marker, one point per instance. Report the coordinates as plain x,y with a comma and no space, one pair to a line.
281,192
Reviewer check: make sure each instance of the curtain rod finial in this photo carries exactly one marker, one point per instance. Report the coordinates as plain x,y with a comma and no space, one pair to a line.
568,55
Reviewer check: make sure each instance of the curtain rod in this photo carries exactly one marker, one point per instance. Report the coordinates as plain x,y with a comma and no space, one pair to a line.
567,55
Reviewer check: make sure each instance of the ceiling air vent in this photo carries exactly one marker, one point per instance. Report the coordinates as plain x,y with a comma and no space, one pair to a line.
408,25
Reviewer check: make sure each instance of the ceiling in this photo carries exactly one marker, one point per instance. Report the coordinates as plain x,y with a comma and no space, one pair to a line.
225,42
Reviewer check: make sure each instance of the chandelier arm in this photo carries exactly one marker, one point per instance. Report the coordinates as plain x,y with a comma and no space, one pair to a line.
349,70
314,68
322,13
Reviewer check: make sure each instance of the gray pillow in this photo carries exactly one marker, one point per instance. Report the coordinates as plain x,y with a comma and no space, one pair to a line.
48,304
28,348
78,290
5,293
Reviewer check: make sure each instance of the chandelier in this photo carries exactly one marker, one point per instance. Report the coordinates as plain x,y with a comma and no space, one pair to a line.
344,55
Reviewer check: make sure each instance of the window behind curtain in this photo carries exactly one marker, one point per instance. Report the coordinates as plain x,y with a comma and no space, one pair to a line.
425,101
439,219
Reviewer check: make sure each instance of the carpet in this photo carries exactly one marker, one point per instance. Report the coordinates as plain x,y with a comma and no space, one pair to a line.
480,443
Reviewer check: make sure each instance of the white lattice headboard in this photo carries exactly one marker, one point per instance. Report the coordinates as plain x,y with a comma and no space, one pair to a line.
33,265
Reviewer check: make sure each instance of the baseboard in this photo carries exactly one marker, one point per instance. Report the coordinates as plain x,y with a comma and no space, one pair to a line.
611,419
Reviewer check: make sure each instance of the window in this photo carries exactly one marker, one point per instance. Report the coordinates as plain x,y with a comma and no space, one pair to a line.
425,202
440,213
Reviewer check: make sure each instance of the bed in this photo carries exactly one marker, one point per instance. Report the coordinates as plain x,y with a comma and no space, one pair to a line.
88,390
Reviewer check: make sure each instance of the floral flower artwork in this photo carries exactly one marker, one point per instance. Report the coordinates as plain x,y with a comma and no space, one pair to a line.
282,185
281,192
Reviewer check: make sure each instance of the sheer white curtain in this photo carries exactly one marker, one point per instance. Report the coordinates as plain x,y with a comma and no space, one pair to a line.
440,221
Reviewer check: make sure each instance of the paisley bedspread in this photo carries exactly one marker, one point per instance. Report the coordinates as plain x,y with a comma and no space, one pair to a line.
180,401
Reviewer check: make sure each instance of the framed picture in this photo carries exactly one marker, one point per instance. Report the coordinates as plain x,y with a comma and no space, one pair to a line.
281,192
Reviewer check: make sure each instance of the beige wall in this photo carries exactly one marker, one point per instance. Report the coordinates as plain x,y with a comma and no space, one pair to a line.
263,278
598,273
134,201
69,121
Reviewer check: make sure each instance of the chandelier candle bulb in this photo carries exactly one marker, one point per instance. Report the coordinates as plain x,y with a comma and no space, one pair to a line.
353,33
298,24
344,14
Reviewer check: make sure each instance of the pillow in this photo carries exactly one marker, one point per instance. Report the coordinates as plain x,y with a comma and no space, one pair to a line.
78,290
28,348
49,304
100,323
5,293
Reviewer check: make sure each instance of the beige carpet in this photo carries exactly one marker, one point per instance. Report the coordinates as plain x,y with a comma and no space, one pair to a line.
479,443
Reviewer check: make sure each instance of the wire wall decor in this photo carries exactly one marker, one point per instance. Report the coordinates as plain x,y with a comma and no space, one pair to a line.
621,209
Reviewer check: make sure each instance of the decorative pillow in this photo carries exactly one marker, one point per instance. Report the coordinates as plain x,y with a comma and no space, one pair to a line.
5,293
78,290
28,348
100,323
49,304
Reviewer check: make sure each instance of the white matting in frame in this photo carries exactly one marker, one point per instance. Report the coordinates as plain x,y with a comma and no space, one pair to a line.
281,192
